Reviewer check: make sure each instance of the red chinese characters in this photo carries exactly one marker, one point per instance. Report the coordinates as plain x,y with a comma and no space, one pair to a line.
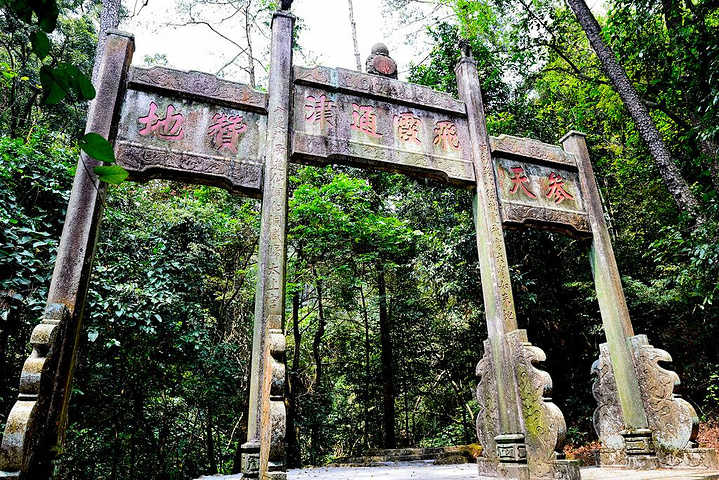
446,136
519,181
407,127
556,189
320,109
167,128
226,130
364,119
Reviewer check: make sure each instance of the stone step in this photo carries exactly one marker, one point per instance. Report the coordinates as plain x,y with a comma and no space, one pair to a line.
384,456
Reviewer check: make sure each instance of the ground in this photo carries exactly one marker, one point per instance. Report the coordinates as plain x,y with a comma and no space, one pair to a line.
427,471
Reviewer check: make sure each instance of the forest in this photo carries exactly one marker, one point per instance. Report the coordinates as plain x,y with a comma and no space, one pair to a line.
384,314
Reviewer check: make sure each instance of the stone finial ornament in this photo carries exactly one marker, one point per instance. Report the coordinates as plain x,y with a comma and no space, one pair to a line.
380,63
285,4
465,47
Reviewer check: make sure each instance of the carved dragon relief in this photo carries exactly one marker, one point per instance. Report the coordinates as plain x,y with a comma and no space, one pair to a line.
198,85
532,149
382,88
145,163
29,412
544,424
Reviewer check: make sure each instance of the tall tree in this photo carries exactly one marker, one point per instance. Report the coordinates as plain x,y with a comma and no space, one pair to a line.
358,59
673,179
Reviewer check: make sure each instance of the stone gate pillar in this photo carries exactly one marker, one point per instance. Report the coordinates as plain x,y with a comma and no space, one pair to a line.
521,431
36,424
640,422
264,453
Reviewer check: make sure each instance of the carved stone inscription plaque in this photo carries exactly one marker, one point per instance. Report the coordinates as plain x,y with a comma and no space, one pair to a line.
356,121
163,136
538,184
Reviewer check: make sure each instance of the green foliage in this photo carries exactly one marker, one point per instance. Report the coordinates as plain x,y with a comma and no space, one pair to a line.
35,178
28,74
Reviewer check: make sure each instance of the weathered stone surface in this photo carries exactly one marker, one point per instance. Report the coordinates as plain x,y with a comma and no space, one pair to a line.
610,295
539,445
36,424
197,86
672,421
608,420
172,127
340,124
375,87
267,417
547,196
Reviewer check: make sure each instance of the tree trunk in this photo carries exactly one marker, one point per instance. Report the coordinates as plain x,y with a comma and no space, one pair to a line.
210,441
386,357
316,431
109,18
368,371
250,56
673,179
354,36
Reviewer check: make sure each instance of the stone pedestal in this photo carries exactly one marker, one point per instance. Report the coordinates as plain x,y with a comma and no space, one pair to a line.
534,451
673,424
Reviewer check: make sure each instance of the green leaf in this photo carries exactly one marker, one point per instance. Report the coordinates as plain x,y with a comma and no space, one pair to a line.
78,81
55,84
97,147
22,9
87,91
40,44
112,174
47,13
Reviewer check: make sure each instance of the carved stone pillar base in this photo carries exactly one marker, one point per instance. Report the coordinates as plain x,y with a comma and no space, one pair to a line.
534,452
251,460
673,423
638,442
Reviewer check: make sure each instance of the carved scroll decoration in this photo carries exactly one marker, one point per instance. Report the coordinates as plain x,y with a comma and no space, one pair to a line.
454,171
533,149
30,411
519,214
673,420
608,419
382,88
144,163
198,85
488,415
544,424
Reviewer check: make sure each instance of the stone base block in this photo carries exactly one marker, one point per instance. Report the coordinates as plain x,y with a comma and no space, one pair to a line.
609,457
277,475
642,462
687,458
690,457
561,470
491,468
